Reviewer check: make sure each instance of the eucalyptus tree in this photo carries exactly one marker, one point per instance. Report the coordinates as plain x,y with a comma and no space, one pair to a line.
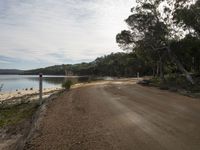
187,16
151,32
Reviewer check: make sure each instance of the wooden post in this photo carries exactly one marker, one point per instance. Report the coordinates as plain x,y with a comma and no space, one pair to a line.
40,88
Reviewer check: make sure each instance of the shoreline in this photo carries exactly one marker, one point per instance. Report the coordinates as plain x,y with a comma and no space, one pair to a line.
34,93
21,93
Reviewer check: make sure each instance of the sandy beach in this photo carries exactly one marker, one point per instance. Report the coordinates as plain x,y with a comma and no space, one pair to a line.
21,93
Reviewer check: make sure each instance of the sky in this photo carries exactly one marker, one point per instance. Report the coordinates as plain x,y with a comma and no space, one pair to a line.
40,33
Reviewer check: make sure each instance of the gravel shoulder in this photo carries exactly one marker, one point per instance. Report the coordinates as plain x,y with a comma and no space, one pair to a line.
119,115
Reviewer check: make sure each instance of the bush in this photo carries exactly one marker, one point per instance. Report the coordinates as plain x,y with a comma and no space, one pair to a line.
155,82
144,82
67,84
164,87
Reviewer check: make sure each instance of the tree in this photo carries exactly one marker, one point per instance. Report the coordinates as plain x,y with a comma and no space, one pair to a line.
187,16
152,31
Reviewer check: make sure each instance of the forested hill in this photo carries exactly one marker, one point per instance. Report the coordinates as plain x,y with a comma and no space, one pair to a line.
10,71
115,64
52,70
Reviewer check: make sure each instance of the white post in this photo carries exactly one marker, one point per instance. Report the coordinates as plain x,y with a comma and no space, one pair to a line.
138,75
40,88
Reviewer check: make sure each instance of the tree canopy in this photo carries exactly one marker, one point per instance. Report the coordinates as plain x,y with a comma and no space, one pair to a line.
158,30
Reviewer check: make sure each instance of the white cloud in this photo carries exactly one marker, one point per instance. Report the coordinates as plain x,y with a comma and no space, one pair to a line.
77,29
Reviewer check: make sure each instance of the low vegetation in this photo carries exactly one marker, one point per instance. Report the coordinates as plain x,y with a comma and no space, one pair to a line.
175,84
67,84
13,115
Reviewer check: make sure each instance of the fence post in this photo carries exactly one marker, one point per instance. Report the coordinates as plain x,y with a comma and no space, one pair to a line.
40,88
138,75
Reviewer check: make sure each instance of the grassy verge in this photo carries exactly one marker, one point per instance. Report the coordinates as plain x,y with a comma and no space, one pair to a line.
177,84
15,114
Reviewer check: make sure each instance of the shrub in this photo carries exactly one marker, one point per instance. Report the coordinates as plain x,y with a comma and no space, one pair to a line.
144,82
67,84
164,87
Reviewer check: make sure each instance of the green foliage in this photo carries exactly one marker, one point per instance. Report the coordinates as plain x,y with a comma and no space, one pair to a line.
188,52
115,64
175,82
188,16
149,33
156,36
120,65
52,70
155,81
15,114
67,84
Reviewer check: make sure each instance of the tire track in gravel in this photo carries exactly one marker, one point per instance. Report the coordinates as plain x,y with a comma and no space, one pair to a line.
120,116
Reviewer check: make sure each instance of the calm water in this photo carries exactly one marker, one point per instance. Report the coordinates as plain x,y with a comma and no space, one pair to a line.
14,82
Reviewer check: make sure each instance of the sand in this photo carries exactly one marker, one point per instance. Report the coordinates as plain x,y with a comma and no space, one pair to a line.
21,93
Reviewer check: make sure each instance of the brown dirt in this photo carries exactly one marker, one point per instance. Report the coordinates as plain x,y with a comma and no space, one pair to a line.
117,115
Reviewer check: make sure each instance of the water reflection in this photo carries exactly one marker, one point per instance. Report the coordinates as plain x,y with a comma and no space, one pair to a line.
18,82
50,80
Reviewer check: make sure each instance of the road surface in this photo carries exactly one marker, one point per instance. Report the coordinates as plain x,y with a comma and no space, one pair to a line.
120,115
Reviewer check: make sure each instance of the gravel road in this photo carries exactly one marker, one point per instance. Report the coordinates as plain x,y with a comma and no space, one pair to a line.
120,115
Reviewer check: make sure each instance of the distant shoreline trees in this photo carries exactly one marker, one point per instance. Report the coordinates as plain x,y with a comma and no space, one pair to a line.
115,64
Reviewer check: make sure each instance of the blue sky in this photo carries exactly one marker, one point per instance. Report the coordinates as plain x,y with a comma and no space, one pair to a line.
39,33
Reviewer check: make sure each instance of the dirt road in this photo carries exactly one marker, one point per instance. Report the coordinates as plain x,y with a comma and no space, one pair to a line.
120,116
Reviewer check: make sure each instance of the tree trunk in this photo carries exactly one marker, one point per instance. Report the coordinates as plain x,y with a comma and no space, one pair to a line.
180,66
153,71
157,69
161,69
